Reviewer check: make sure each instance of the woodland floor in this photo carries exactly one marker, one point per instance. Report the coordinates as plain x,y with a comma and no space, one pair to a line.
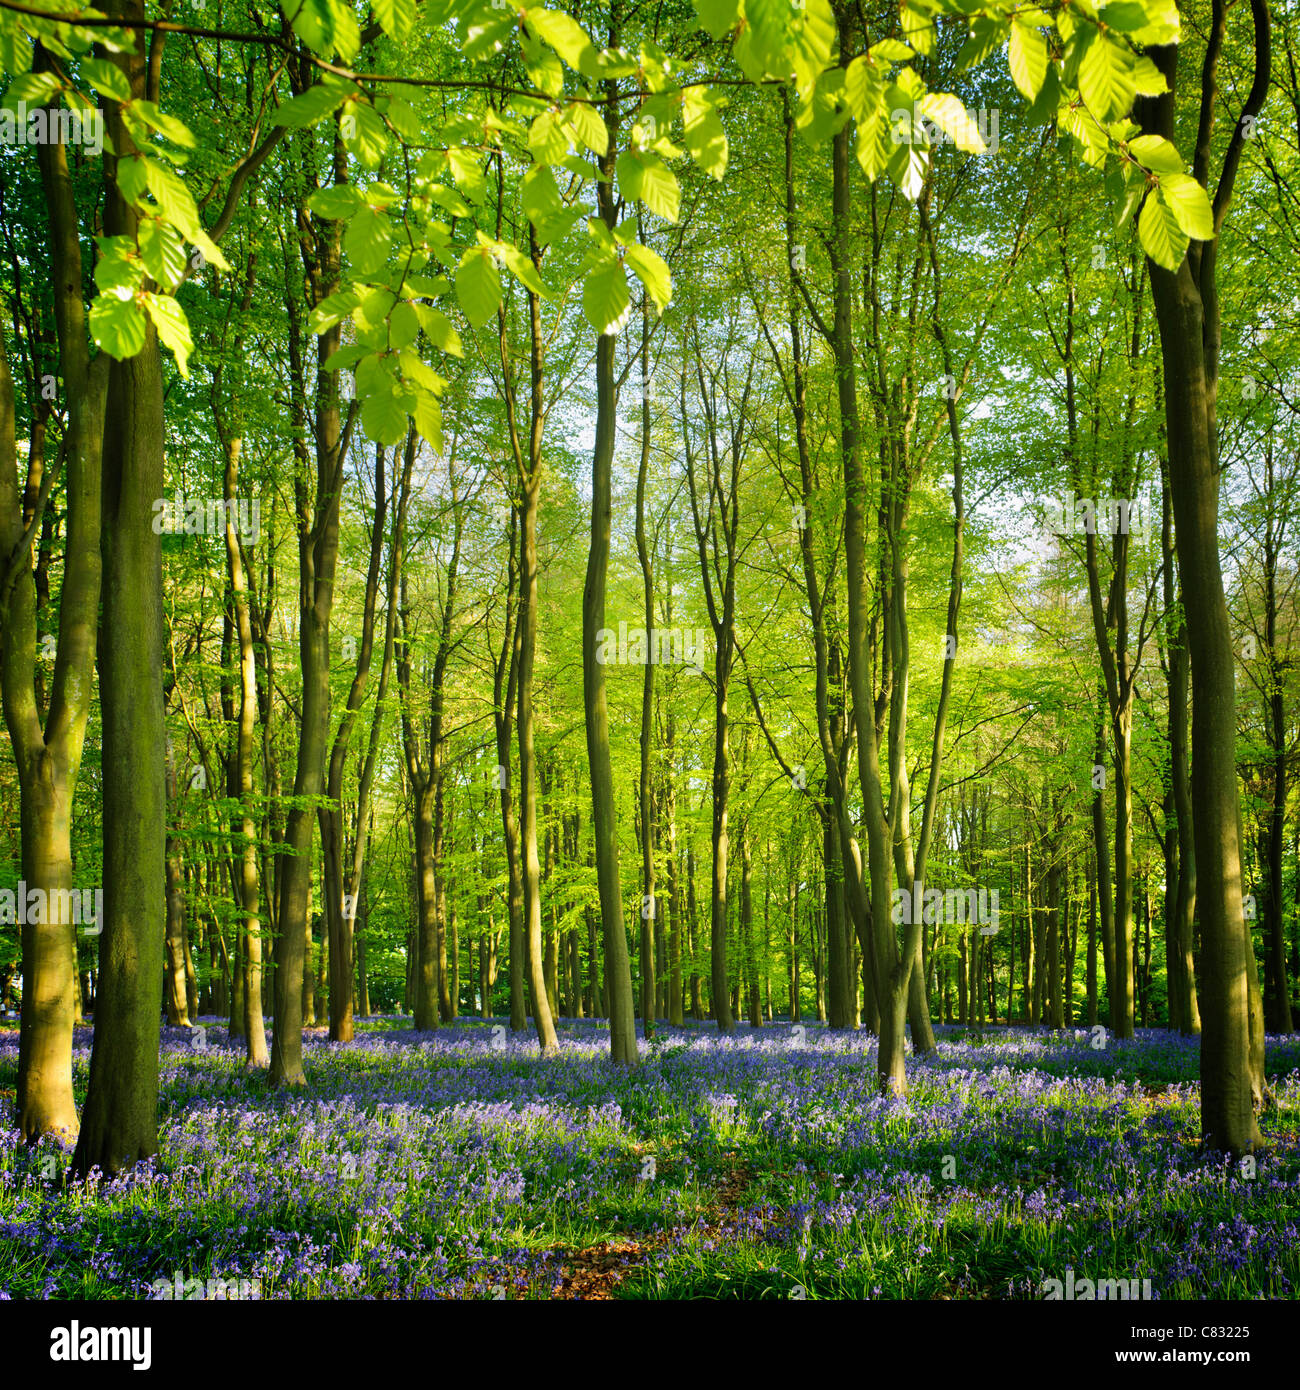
759,1166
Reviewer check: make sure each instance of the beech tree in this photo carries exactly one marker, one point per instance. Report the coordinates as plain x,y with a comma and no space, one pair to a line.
508,217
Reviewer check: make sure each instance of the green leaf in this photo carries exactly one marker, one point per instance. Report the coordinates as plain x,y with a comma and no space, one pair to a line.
908,166
1148,80
1106,79
1156,153
133,178
890,51
1045,105
175,130
646,178
364,133
173,328
1162,24
367,240
485,31
403,325
106,77
863,88
1077,38
1124,15
430,287
337,203
910,83
374,309
331,310
705,138
605,299
718,17
986,37
342,358
1027,56
374,376
383,417
558,225
564,34
653,273
953,119
346,31
478,285
656,66
468,173
524,270
744,51
767,28
378,194
438,327
1160,234
35,88
545,71
918,26
404,119
875,143
174,199
587,127
117,326
1094,141
209,250
15,51
396,16
162,251
450,201
540,192
828,111
547,139
314,23
311,107
813,40
118,267
427,414
1190,205
1127,185
415,371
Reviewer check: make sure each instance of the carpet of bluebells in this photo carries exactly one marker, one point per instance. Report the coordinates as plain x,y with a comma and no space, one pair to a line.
764,1165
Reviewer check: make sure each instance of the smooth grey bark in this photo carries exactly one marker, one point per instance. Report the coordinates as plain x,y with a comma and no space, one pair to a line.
1187,310
48,739
119,1124
318,546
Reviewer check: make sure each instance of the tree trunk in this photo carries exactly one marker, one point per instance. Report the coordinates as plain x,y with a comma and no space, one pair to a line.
618,971
119,1124
1187,313
318,544
747,930
425,980
175,995
48,758
532,879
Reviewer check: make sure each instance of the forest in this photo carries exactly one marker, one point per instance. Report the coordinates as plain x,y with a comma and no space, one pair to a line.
650,650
